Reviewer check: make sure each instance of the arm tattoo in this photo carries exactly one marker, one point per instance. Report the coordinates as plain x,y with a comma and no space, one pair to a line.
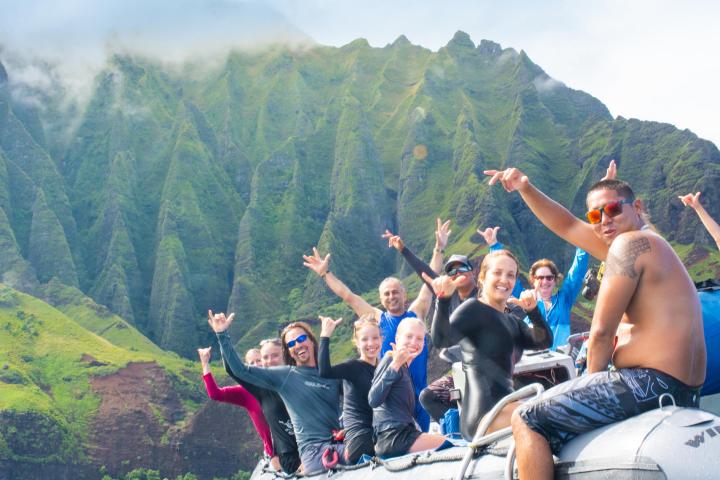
623,262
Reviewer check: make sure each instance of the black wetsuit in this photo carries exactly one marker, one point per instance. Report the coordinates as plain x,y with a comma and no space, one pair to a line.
491,342
281,428
357,377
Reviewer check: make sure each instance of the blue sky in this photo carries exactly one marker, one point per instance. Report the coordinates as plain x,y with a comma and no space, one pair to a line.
652,60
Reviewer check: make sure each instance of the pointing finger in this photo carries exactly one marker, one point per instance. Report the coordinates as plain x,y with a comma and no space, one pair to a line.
495,178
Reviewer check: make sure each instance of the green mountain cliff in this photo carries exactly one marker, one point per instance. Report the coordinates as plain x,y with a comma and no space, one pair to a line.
187,189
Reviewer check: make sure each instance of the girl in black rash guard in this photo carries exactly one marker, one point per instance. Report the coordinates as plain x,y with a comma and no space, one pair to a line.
357,376
491,334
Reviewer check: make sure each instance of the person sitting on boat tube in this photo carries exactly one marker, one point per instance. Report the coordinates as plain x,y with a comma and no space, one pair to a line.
435,398
393,298
357,375
392,396
312,401
238,395
491,333
283,436
647,291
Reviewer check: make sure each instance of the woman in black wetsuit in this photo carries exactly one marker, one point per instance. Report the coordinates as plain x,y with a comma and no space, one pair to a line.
357,376
491,333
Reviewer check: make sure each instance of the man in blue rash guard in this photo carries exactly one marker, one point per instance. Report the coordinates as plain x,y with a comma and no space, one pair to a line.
393,298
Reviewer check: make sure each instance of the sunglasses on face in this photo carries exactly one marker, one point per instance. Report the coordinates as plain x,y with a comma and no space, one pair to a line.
612,209
299,339
549,278
459,269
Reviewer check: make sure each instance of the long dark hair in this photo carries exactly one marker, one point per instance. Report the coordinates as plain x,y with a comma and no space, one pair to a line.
286,351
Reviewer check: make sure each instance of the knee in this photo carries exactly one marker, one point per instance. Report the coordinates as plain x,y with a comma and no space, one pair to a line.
427,396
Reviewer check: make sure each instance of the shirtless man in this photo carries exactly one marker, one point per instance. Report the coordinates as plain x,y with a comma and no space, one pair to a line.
647,291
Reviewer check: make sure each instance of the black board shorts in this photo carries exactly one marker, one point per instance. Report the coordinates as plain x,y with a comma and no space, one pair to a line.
395,441
591,401
358,444
289,462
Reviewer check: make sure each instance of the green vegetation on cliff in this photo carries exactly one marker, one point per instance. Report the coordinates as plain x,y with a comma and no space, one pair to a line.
200,187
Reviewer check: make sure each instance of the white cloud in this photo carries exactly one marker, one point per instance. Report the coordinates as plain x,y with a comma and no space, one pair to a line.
546,84
648,59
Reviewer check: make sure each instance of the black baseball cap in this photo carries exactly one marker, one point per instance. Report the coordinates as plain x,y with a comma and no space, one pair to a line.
461,259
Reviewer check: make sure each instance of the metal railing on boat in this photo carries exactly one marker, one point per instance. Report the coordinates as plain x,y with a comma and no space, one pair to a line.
481,439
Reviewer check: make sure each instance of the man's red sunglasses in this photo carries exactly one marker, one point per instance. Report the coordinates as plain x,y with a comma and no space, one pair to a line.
612,209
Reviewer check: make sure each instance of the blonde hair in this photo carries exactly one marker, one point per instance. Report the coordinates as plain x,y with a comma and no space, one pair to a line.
364,321
409,322
252,350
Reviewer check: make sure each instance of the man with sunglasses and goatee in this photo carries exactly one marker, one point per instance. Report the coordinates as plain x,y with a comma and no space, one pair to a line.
647,321
312,402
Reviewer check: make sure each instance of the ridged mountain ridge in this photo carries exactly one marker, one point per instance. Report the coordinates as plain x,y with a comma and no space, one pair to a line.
183,190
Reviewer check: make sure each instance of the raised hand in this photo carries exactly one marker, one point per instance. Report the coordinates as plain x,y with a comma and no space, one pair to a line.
219,322
316,263
690,200
511,179
204,354
527,300
394,241
442,232
328,325
443,286
490,235
402,356
611,171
